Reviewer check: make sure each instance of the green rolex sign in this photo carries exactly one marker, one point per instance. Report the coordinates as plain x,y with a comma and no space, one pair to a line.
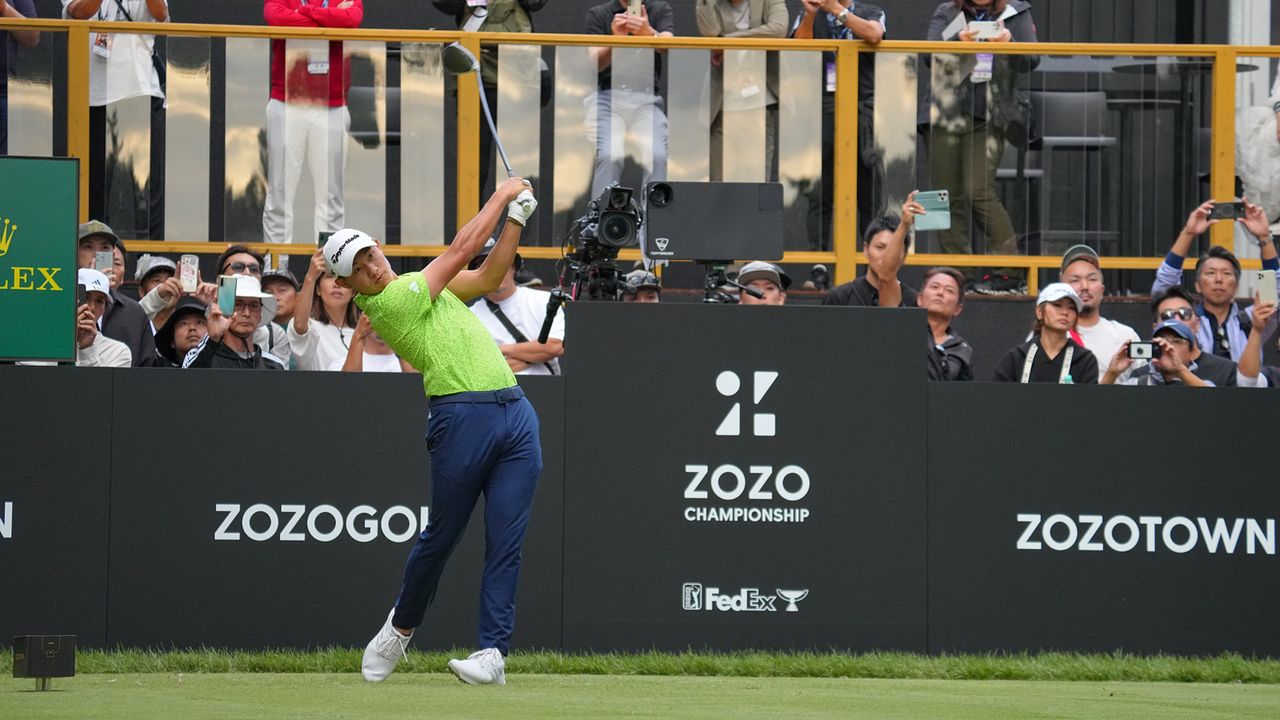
38,217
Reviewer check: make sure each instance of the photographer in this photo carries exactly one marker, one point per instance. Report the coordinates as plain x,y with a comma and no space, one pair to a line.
1224,327
229,343
844,20
1173,364
766,277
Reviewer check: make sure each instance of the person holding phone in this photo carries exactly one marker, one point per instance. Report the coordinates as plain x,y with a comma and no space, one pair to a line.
885,243
482,434
229,343
1174,363
1224,326
124,319
976,103
93,349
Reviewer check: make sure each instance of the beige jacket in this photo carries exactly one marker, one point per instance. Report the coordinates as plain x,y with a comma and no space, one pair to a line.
769,18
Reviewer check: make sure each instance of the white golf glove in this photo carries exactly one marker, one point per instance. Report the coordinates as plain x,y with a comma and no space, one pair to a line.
521,209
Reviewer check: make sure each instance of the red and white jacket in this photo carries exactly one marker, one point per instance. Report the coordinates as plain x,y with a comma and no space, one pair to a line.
299,84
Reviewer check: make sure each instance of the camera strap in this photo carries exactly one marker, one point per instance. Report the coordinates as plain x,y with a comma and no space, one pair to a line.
511,328
1031,358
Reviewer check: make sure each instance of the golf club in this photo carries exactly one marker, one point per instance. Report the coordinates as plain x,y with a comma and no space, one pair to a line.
459,60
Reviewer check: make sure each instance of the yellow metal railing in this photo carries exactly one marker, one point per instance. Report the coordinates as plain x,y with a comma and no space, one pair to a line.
844,255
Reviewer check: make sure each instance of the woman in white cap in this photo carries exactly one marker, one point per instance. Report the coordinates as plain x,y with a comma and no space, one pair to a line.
1051,355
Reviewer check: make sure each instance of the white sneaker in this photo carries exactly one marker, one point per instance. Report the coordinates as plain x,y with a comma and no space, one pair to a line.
384,651
483,668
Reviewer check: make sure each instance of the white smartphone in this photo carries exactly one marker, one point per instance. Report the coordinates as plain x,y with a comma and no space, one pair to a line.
189,273
633,7
1267,286
984,30
103,260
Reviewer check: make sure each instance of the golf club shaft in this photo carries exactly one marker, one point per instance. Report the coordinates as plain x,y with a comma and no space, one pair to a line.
493,130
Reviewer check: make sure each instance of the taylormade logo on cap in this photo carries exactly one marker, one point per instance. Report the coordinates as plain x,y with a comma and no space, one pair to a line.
341,249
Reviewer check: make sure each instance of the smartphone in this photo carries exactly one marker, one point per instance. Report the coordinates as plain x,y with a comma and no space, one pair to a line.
227,294
984,30
1266,286
633,7
82,295
937,208
189,273
102,261
1143,351
1227,211
324,237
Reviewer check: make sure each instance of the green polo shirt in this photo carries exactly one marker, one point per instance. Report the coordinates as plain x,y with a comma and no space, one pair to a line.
441,338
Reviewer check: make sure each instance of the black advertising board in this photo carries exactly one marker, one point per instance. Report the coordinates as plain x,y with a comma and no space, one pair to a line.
281,513
1102,518
759,483
55,464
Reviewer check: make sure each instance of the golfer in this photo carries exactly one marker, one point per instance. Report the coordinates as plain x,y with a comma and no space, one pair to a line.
481,431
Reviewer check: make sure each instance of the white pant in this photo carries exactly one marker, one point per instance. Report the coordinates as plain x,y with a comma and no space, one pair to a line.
317,134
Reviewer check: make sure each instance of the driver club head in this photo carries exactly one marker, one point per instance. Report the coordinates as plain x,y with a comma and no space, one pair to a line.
458,60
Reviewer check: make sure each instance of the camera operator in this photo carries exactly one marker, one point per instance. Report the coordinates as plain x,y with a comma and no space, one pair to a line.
641,286
1173,364
1225,328
513,315
766,277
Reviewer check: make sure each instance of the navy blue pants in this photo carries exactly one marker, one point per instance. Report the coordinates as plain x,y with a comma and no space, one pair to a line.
480,442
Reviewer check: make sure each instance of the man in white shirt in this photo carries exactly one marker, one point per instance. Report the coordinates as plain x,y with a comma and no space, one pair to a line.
514,315
1082,270
123,66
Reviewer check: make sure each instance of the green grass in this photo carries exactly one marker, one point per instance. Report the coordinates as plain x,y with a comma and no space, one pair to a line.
1039,667
319,696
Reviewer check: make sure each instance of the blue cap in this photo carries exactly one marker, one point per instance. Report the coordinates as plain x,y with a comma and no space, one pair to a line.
1178,327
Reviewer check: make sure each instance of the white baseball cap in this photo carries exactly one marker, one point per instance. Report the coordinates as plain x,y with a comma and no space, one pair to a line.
1054,292
248,286
95,281
341,248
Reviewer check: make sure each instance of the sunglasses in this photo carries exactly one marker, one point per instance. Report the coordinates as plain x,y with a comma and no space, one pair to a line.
1184,313
251,268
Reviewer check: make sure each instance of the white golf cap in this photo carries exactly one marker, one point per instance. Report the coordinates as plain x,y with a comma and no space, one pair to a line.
341,248
95,281
248,286
1054,292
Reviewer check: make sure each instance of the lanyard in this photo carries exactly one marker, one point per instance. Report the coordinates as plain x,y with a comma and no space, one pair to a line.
1031,357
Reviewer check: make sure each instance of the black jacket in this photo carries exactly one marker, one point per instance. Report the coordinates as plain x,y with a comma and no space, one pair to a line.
125,321
953,361
212,354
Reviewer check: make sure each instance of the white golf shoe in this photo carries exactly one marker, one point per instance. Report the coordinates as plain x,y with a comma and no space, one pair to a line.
384,651
485,667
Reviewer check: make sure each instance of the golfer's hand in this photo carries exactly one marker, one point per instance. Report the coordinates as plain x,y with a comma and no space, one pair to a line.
521,209
512,187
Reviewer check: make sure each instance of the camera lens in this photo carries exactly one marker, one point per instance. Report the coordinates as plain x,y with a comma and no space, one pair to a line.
615,230
618,199
660,195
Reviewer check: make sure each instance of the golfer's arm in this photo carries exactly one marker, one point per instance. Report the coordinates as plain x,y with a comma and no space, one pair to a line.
440,273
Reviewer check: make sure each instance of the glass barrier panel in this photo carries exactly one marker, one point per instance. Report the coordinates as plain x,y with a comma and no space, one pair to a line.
689,92
1257,151
362,184
26,122
800,150
895,134
126,128
421,145
245,162
576,84
740,134
187,120
519,115
307,139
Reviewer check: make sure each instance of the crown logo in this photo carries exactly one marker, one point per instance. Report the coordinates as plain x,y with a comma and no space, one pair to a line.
6,236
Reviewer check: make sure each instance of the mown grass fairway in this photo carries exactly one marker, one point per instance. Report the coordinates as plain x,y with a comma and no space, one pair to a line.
528,696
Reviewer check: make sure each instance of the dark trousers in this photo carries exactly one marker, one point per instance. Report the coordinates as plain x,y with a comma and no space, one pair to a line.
964,160
482,442
102,187
821,197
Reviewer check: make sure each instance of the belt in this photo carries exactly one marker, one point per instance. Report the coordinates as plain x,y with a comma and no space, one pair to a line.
505,395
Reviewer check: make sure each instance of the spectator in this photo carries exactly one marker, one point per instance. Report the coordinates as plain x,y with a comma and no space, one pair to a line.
229,343
491,16
976,105
1224,328
844,20
886,243
641,286
746,92
942,297
93,349
117,266
162,290
282,283
1082,270
369,352
307,118
123,66
626,105
1251,373
149,272
124,319
513,315
1051,355
324,318
240,260
183,331
1173,363
766,277
1176,304
9,56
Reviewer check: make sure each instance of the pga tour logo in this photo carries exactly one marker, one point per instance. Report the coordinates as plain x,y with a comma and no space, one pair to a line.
694,597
